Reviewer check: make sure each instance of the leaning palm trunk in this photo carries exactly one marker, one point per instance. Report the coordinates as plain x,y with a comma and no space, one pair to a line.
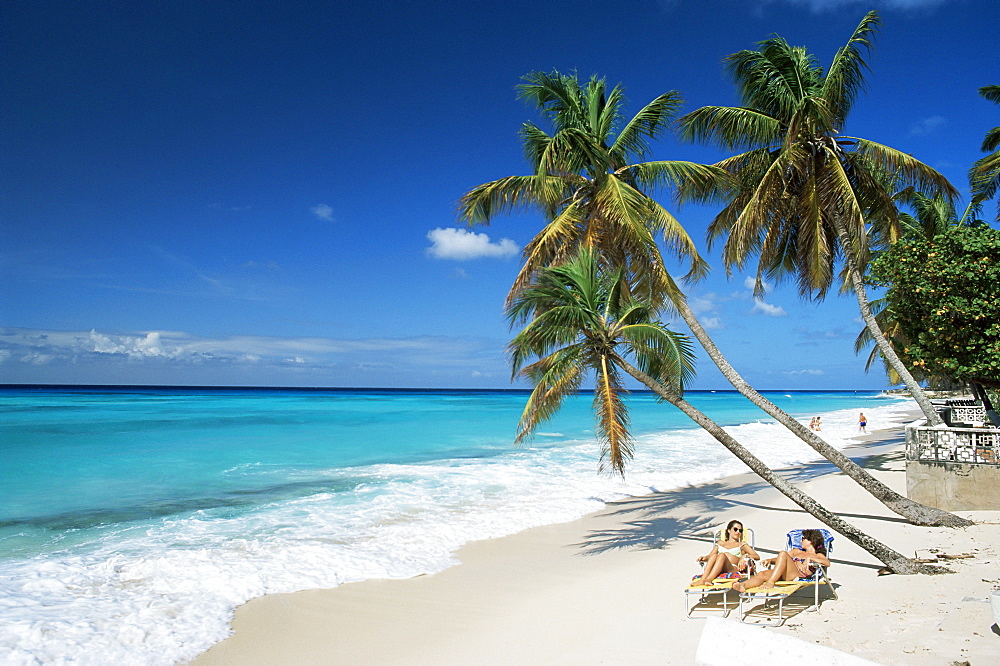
914,512
895,561
888,353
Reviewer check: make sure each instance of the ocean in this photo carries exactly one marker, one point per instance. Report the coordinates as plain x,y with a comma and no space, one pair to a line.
133,521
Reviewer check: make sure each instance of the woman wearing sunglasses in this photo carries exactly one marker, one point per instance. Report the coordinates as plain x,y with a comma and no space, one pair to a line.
790,564
728,555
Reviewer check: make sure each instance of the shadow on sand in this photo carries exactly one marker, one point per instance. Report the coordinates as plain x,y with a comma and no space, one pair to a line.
648,523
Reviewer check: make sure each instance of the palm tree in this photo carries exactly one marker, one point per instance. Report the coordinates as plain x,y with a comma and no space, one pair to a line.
804,195
984,176
588,182
581,319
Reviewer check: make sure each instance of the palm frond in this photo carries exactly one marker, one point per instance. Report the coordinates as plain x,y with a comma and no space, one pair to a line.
555,378
845,78
770,79
612,416
991,140
850,211
755,210
906,169
732,128
572,151
483,202
992,93
664,355
692,181
651,122
555,95
534,142
984,178
554,244
603,109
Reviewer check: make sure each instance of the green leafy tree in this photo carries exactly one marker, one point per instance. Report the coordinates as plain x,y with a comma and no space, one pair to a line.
945,294
591,184
984,176
932,215
804,193
581,320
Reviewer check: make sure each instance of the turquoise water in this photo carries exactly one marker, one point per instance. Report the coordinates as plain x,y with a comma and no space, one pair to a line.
132,521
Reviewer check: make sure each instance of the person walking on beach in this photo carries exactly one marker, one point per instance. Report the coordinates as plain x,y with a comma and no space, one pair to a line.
812,423
862,423
819,425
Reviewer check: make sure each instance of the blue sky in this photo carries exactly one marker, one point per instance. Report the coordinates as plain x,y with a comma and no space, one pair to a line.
263,193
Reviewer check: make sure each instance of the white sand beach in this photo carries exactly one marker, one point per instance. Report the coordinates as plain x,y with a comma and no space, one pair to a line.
607,589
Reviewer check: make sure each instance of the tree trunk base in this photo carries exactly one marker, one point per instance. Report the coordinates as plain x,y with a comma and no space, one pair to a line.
928,516
909,567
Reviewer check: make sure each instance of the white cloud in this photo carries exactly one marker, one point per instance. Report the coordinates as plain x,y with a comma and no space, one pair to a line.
35,358
133,347
323,212
35,347
927,125
701,305
750,283
804,372
460,244
155,357
834,5
763,308
711,323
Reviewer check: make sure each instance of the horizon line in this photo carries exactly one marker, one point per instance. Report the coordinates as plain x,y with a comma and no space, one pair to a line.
236,387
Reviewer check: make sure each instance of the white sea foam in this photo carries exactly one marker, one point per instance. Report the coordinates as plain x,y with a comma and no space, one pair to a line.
164,591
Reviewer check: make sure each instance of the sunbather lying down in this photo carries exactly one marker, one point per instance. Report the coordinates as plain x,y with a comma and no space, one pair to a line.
728,555
790,564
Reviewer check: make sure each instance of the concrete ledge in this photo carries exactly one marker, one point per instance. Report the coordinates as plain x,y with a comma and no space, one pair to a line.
953,486
727,642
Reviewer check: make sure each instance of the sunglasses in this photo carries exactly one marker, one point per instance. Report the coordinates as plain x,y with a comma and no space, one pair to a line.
737,529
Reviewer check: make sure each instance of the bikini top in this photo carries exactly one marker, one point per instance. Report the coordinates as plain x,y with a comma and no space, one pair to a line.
731,551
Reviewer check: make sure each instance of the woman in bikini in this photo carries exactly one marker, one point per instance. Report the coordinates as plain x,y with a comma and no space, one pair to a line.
790,564
726,556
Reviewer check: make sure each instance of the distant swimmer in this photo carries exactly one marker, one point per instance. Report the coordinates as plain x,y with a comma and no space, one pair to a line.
862,423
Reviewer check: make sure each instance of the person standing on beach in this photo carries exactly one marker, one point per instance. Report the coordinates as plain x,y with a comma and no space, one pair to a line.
812,423
819,425
862,423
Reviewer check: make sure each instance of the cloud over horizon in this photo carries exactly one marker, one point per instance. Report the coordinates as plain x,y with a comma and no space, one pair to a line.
95,357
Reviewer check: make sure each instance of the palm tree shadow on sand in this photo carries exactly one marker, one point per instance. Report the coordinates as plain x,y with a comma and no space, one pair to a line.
648,522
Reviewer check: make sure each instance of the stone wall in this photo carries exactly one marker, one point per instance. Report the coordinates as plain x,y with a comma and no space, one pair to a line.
954,486
955,469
